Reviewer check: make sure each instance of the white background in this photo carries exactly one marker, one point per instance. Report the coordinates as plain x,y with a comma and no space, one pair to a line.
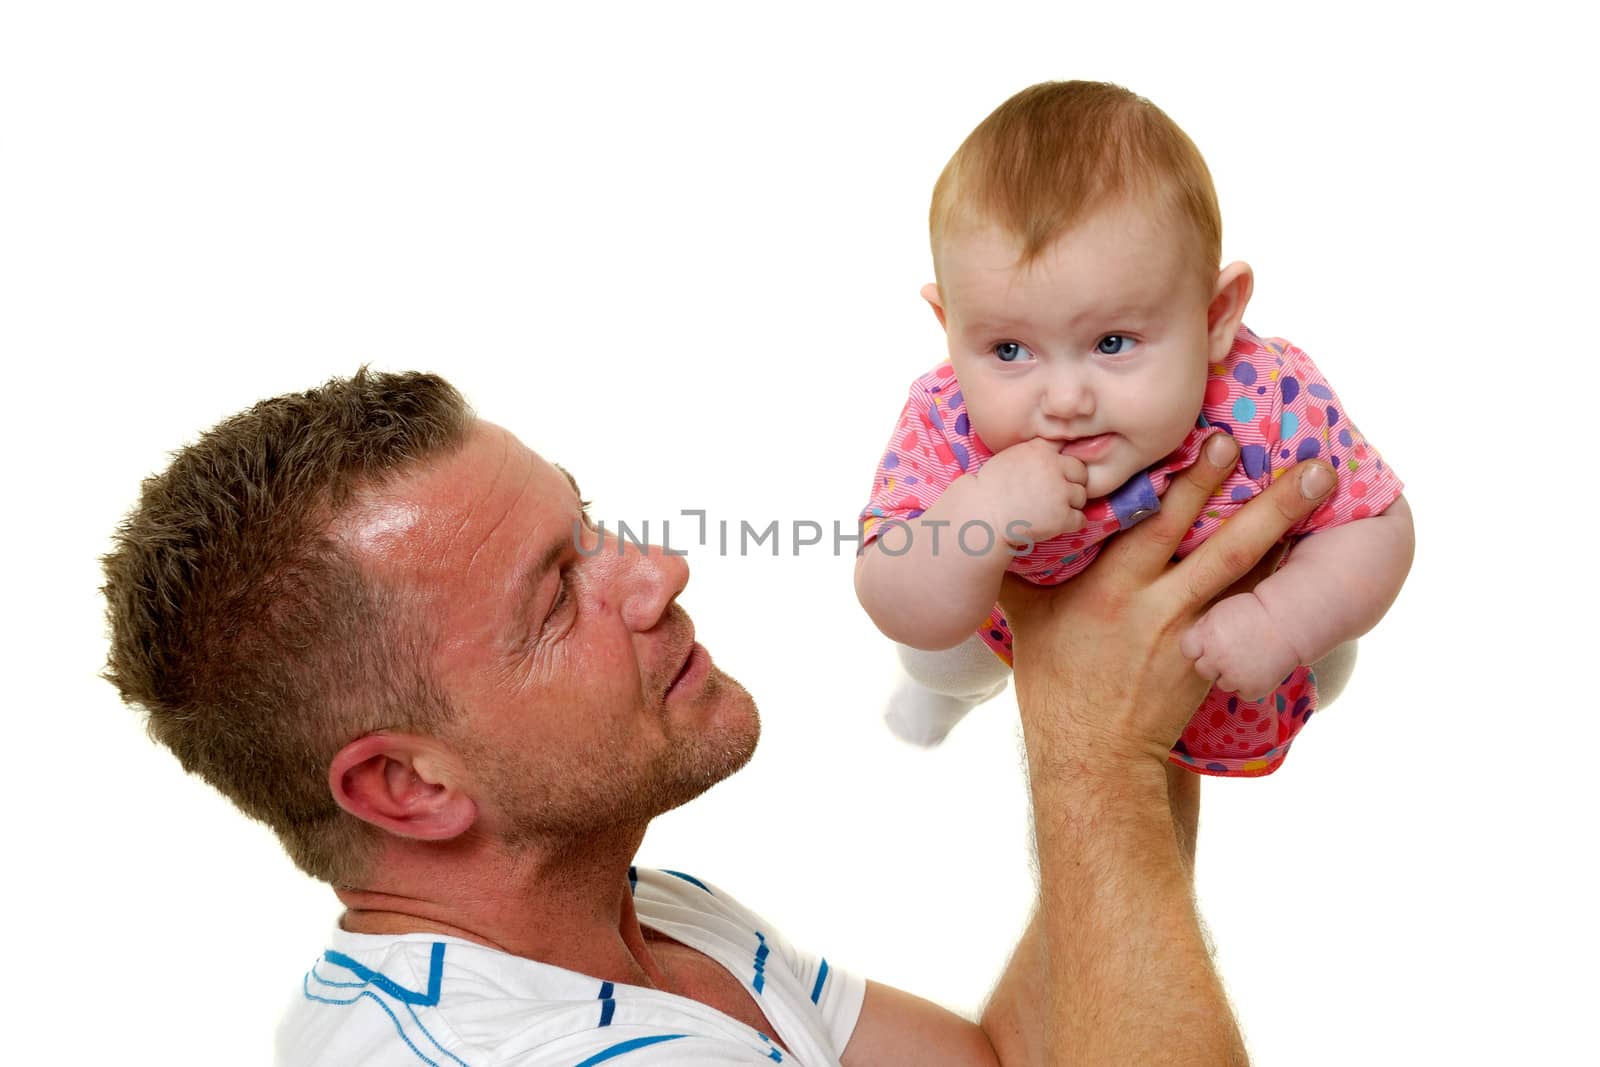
679,251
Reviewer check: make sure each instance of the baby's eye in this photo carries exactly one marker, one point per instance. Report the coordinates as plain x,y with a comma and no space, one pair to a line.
1114,344
1011,352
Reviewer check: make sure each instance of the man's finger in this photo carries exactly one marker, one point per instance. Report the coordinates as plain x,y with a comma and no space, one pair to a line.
1234,550
1150,545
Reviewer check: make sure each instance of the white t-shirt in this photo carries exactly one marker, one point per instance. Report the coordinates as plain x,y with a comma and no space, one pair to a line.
413,999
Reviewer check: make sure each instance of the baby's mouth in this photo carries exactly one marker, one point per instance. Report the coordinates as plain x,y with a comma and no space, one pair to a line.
1088,448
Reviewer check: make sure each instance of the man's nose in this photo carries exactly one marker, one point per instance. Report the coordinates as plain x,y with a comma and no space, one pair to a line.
648,579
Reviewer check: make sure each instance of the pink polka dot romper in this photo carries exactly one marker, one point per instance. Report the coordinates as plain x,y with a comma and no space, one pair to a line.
1276,404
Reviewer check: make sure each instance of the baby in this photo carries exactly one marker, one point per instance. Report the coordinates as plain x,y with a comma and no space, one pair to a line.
1094,346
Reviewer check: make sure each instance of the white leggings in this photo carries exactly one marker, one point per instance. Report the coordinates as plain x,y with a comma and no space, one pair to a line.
943,686
969,672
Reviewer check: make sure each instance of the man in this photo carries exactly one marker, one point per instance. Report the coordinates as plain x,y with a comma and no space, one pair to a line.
385,628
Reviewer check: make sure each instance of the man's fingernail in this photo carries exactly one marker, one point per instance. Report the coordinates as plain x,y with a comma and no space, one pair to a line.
1221,449
1316,482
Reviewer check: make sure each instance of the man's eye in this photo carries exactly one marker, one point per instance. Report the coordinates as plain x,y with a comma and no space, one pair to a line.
563,595
1011,352
1115,344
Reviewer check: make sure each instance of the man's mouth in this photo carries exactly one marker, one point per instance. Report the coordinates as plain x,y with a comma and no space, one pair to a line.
695,659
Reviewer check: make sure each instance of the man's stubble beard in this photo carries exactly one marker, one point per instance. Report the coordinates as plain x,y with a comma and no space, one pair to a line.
597,793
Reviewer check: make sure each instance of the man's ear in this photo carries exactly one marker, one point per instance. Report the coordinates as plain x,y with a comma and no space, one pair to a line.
930,293
1235,283
406,784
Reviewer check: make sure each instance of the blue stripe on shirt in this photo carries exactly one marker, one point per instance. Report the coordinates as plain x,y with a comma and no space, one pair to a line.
391,987
400,1030
761,963
686,878
822,976
627,1046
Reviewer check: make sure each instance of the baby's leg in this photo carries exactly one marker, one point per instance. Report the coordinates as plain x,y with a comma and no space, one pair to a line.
1333,672
941,687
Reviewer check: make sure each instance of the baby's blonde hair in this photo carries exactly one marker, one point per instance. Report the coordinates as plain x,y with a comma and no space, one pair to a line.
1055,152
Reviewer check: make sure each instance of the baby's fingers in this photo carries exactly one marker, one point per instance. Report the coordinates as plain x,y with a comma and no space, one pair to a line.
1207,669
1191,644
1074,470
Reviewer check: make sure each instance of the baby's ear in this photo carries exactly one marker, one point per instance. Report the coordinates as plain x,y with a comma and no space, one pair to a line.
930,293
1235,283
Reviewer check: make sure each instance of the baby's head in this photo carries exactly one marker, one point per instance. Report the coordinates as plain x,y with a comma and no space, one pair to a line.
1076,242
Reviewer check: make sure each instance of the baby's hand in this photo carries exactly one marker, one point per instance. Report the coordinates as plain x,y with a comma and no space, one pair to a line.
1240,648
1032,483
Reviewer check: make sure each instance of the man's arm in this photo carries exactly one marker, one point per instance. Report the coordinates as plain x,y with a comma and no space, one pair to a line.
896,1027
1113,967
1126,976
1014,1018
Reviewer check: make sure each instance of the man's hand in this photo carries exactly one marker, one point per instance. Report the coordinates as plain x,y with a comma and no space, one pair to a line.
1114,968
1032,483
1240,648
1102,653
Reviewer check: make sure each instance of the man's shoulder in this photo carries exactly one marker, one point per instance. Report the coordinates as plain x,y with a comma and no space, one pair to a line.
393,999
664,884
696,911
370,998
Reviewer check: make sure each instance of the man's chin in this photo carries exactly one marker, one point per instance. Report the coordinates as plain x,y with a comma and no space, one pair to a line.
713,748
735,729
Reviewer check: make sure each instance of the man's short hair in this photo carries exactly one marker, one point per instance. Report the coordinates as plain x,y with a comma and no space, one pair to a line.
1055,152
245,630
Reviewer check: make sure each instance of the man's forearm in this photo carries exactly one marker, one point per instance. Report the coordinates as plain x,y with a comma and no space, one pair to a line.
1113,967
1121,926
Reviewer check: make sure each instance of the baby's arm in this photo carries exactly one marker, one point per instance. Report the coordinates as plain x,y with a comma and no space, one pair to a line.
936,593
1335,587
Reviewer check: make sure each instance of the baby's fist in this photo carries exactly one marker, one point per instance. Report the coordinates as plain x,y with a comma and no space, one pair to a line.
1032,490
1239,648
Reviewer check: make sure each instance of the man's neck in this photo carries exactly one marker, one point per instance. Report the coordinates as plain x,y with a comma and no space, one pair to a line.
567,906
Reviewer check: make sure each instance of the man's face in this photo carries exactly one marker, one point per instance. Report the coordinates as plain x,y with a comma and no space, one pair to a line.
585,703
1099,344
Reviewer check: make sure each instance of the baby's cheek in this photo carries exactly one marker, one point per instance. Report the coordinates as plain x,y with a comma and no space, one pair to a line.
992,422
1106,478
1175,428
